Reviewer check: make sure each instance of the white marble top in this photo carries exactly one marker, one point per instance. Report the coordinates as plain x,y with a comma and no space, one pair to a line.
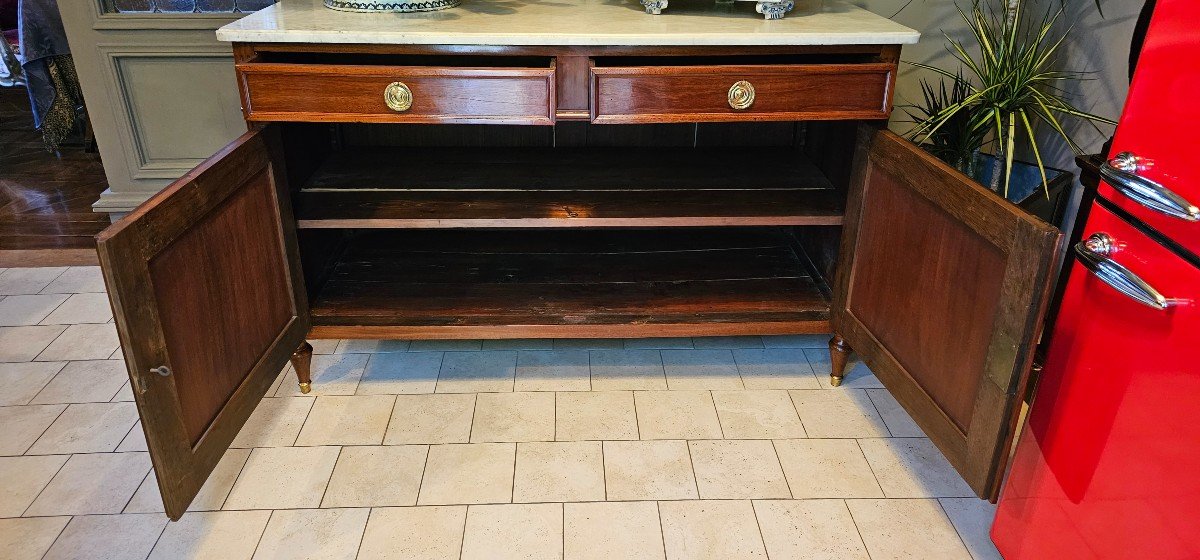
571,22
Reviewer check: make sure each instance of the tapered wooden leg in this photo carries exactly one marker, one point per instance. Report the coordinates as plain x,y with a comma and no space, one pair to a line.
302,363
839,352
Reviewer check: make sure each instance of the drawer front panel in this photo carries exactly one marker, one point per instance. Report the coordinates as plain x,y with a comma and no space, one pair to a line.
342,93
648,94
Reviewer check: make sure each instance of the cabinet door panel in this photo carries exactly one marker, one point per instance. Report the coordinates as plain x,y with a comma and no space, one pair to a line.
941,289
204,281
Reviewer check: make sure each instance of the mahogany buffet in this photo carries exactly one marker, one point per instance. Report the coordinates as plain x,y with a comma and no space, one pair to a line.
571,169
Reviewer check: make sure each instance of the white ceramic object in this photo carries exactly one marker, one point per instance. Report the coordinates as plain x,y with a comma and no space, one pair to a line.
401,6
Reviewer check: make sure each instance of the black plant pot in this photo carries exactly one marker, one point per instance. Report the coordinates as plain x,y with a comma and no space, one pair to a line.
1025,188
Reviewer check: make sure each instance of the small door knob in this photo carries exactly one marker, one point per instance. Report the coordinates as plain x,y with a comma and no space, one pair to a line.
398,97
741,95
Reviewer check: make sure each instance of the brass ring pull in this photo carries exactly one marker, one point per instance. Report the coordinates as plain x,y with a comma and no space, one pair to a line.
741,95
398,97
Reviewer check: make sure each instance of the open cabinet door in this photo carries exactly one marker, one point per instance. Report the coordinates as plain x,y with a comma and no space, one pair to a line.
205,284
941,288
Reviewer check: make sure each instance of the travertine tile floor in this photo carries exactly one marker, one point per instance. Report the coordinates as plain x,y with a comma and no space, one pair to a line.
705,448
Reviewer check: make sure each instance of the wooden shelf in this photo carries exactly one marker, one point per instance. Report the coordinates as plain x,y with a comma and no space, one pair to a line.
605,283
559,187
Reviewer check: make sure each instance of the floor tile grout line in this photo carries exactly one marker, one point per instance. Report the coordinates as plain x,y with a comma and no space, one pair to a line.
872,467
366,366
47,485
424,468
362,534
515,355
127,433
799,417
161,532
692,463
462,543
733,358
235,479
362,538
459,504
388,424
662,363
329,479
307,414
857,529
60,304
118,391
70,518
662,533
758,524
441,365
258,543
604,470
391,418
791,494
39,290
717,413
879,413
60,335
474,409
46,429
512,489
132,495
942,508
419,506
637,420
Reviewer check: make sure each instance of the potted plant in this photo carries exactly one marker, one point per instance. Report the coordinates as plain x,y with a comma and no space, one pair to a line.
1007,85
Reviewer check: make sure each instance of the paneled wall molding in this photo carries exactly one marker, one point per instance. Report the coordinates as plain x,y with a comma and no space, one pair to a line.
137,125
117,204
160,91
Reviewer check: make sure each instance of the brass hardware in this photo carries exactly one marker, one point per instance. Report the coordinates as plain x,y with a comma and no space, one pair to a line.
305,388
398,97
835,380
161,370
741,95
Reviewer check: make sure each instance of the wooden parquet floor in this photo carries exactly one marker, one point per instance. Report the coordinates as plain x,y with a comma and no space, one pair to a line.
46,216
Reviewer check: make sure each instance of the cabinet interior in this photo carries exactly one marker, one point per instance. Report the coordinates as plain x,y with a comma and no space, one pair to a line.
663,229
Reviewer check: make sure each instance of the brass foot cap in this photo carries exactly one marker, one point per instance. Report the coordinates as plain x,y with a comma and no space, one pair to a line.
835,381
305,388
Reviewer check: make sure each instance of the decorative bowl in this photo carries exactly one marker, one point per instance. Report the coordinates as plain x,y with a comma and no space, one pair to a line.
390,5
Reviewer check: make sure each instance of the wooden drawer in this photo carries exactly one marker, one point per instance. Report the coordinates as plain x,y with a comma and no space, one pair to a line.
435,94
649,94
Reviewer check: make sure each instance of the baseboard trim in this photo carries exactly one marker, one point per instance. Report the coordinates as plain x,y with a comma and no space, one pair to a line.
18,258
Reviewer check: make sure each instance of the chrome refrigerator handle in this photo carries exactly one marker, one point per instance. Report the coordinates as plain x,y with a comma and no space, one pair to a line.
1094,255
1122,173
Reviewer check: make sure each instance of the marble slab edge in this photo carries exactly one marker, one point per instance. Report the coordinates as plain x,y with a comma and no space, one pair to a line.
526,39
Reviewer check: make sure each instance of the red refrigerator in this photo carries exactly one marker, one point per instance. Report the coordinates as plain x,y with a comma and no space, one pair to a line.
1108,464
